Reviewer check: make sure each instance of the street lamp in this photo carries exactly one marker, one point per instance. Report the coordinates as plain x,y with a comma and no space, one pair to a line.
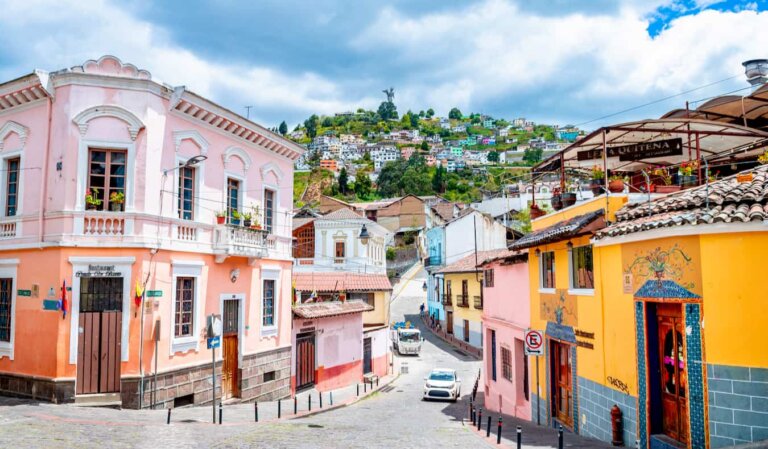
364,236
424,286
191,162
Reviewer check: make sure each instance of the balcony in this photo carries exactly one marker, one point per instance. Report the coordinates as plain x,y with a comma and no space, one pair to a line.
462,300
478,302
433,261
232,240
8,227
447,300
104,224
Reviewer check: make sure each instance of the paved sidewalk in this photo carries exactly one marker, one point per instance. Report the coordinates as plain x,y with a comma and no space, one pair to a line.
459,344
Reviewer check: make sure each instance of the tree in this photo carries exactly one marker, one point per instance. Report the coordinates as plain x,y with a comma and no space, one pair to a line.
311,125
424,145
533,155
493,156
414,120
343,179
362,185
283,128
422,113
438,180
387,110
327,122
430,113
455,114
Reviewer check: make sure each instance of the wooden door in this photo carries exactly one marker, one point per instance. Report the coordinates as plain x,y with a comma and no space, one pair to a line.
99,335
449,322
562,394
305,361
674,385
367,356
466,330
230,372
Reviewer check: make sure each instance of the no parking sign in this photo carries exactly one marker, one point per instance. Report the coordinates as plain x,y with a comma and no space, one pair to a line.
534,342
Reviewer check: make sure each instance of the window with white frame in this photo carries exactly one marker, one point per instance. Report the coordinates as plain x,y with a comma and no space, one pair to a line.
233,198
582,275
547,269
269,210
106,179
184,307
187,192
185,312
269,301
12,167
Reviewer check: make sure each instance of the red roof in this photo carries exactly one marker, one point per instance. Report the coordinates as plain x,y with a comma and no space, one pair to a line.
340,282
470,263
330,308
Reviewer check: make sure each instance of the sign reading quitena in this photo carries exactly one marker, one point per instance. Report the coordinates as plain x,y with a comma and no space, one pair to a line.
637,151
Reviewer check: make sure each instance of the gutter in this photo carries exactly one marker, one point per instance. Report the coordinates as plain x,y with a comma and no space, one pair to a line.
44,187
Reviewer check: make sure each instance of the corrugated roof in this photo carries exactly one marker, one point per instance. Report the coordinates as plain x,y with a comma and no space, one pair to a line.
560,231
730,201
341,282
329,308
470,263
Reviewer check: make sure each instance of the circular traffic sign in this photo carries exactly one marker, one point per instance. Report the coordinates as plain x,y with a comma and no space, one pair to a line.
534,340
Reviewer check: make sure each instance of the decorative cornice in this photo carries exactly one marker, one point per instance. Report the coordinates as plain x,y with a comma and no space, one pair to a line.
84,117
239,153
194,136
11,126
271,167
113,66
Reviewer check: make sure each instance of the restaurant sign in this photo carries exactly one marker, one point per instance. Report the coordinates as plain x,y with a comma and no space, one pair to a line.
637,151
99,271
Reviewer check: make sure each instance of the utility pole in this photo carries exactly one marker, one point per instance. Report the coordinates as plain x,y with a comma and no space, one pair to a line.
248,112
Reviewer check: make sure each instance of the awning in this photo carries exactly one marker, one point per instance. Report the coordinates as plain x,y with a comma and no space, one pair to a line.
750,110
634,146
330,308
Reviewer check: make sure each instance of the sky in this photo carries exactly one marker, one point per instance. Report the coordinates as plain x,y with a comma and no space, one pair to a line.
554,61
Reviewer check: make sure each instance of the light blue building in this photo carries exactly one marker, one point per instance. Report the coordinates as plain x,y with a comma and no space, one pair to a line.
435,261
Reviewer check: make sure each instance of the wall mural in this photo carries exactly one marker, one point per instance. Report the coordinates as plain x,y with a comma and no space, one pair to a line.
667,268
559,308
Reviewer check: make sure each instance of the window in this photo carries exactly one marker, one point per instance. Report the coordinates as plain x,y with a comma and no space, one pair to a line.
12,186
6,298
488,276
340,251
269,210
270,376
581,267
367,297
106,176
547,261
233,197
187,193
493,355
506,364
268,306
185,306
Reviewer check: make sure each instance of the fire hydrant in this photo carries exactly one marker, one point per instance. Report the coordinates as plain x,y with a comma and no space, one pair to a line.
617,426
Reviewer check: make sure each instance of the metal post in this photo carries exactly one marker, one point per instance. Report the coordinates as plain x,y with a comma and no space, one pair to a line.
358,389
479,418
321,399
470,408
488,428
154,381
538,394
365,386
221,413
213,380
279,406
560,437
295,405
256,411
498,432
141,352
331,393
168,420
519,437
309,402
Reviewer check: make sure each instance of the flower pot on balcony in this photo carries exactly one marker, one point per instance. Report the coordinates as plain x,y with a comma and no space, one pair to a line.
91,206
116,207
597,186
569,199
256,227
557,203
616,186
221,220
234,221
667,189
247,222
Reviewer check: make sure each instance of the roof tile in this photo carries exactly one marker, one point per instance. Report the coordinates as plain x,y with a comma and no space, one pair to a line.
330,308
341,282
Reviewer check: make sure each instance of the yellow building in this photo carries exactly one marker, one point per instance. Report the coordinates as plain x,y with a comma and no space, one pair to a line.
623,307
463,296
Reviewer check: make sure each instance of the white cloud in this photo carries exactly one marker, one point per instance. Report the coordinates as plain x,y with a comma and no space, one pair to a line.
57,34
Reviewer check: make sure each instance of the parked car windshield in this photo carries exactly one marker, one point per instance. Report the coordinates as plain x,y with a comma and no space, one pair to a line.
410,336
441,376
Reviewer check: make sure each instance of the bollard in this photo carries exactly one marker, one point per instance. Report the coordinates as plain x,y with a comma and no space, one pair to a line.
470,410
498,432
479,418
377,381
358,389
309,402
488,429
321,399
519,437
221,411
560,437
331,398
279,406
256,411
365,386
168,421
295,405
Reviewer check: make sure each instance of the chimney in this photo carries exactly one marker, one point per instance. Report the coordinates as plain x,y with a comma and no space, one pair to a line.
756,71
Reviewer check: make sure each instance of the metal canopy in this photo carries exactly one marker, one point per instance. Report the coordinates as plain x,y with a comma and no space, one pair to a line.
750,110
700,138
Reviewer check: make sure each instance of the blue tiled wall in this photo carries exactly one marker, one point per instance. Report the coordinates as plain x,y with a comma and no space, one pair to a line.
595,403
695,374
642,394
536,401
738,404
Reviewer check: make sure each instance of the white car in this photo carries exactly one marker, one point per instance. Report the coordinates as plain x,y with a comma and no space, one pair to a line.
442,383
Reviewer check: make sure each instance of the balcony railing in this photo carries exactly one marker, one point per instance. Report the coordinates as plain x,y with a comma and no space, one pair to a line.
447,300
8,228
478,302
433,261
462,300
241,241
104,224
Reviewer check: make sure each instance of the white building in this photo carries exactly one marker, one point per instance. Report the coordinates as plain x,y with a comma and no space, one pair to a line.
380,155
459,242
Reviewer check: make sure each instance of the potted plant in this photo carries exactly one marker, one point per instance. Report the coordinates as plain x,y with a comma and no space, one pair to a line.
666,179
763,158
92,201
246,219
556,200
221,217
235,218
687,178
568,198
598,180
255,224
116,200
616,183
537,212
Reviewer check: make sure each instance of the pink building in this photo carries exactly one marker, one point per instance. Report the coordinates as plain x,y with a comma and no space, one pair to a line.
506,316
113,184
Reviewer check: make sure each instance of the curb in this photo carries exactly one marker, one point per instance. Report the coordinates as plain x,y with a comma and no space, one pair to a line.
344,404
451,343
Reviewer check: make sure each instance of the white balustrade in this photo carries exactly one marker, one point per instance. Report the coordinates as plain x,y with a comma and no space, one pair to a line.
238,240
186,233
8,230
103,224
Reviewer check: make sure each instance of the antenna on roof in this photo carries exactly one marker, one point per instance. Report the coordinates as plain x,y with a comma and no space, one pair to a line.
248,112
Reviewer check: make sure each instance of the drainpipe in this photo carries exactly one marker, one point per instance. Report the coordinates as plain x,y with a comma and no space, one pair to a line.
44,186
